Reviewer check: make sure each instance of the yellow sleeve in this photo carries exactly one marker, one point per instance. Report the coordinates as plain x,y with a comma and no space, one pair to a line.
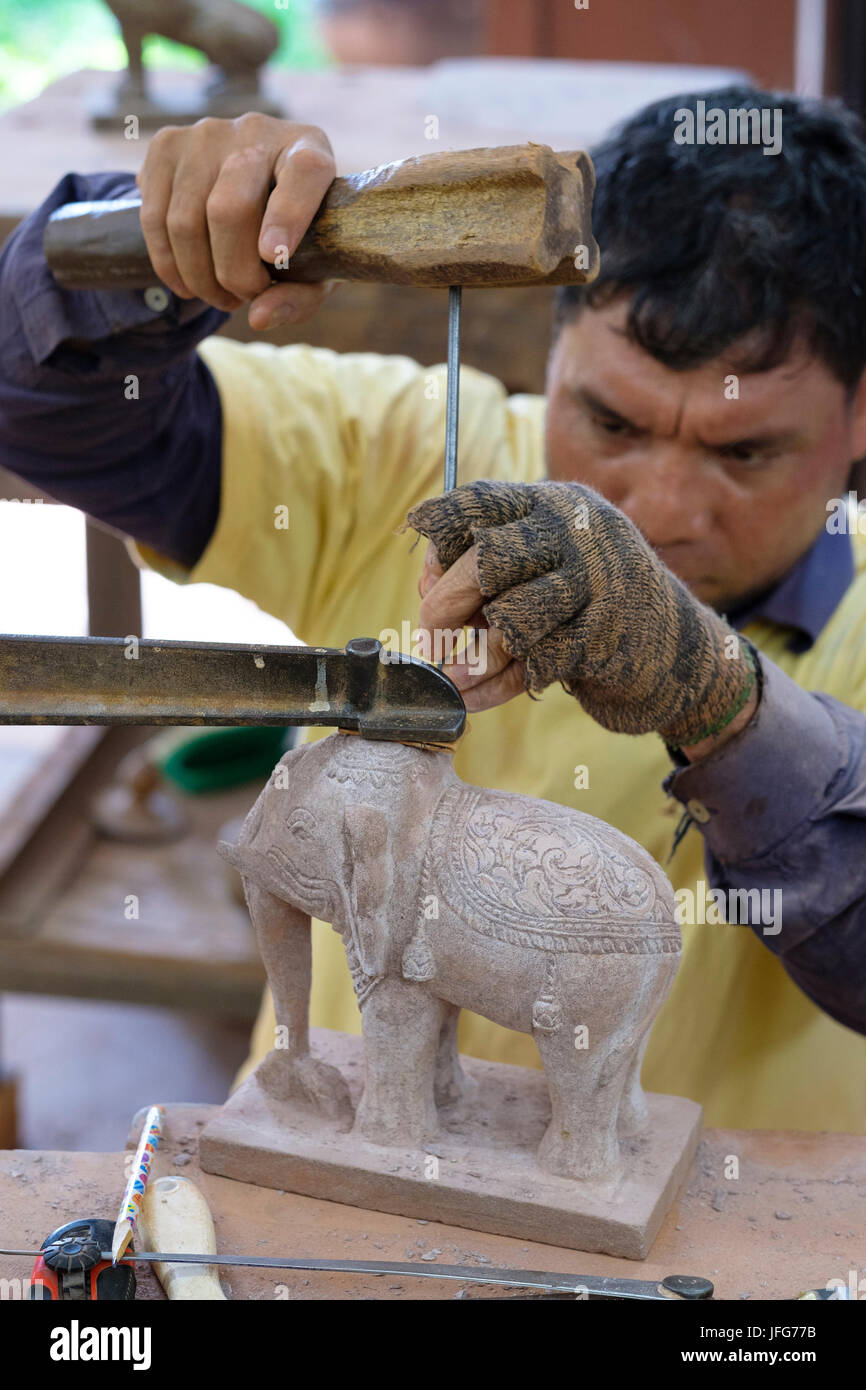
323,455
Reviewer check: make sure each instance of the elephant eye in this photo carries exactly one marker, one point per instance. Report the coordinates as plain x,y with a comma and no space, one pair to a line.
300,825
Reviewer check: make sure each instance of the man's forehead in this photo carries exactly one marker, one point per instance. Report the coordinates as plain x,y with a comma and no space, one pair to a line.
595,356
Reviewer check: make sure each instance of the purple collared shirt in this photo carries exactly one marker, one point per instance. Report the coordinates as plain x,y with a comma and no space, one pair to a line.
780,807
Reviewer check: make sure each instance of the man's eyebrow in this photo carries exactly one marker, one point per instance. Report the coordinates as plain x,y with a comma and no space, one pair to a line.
781,438
771,438
600,407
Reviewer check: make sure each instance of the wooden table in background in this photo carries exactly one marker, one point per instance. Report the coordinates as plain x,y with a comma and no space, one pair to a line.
64,890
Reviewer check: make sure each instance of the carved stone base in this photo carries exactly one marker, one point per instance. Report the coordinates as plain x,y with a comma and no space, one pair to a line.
481,1171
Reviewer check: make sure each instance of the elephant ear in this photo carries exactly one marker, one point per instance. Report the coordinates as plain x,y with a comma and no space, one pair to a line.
365,830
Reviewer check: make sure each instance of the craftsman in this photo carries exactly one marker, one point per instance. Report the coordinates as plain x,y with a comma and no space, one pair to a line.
709,391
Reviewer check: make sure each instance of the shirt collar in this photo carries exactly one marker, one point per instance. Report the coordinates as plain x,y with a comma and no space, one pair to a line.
807,596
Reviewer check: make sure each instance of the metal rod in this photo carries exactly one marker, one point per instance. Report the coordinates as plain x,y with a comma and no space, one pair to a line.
452,399
672,1288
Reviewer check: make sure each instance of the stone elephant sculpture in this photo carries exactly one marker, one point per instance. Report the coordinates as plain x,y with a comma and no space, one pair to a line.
450,896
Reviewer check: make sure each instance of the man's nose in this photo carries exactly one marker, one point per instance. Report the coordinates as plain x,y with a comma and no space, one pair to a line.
667,498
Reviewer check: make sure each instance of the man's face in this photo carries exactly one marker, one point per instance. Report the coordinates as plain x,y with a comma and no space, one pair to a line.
729,491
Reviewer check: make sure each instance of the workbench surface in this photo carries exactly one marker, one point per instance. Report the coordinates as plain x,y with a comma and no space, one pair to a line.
790,1222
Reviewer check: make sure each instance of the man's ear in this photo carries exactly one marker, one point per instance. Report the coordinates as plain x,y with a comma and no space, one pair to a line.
368,856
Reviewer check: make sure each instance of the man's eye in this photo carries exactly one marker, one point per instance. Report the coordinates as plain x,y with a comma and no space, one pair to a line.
740,453
612,426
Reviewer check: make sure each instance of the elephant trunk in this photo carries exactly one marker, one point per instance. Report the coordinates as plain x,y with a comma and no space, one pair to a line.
284,938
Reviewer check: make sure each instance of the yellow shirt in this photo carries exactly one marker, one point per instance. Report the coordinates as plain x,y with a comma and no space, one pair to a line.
348,443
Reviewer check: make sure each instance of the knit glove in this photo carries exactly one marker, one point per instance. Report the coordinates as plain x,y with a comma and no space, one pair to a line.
580,598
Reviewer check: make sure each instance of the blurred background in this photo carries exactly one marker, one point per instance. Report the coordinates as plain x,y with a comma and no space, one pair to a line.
386,79
781,44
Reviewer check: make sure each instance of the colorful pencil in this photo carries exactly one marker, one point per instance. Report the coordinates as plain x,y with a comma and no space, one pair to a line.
132,1197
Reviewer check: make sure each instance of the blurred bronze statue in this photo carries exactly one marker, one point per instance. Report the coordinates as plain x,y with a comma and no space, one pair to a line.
238,41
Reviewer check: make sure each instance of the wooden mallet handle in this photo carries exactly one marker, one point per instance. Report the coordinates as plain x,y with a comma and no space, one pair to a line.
513,215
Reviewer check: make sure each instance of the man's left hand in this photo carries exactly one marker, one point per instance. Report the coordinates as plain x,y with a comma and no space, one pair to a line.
571,592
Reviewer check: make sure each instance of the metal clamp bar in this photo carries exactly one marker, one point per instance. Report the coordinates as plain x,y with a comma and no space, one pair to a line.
116,680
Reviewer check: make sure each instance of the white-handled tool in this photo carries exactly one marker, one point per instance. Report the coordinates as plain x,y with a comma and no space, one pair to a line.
175,1216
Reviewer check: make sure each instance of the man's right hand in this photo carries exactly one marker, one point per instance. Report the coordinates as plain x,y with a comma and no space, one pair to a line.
221,196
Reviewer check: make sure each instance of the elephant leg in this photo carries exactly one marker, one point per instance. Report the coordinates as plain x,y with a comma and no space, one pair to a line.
288,1072
450,1083
585,1092
401,1023
633,1112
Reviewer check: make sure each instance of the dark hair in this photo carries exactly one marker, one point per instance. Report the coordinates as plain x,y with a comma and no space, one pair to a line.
716,241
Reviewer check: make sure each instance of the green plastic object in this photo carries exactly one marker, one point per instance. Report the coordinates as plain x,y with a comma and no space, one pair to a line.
217,759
